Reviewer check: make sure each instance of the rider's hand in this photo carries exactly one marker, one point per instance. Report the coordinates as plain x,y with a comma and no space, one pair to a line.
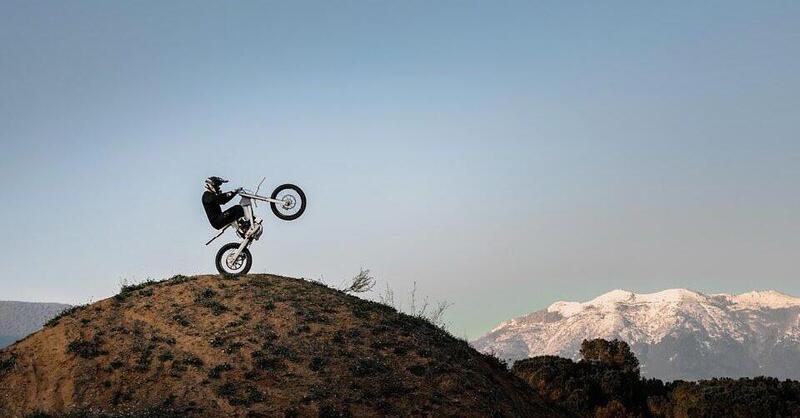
238,190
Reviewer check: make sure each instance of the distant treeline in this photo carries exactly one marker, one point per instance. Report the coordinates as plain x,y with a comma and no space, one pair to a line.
606,383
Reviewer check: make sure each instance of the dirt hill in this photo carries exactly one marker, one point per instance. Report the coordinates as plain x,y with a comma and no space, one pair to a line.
260,345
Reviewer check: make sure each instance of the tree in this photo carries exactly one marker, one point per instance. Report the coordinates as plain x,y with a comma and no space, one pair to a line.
614,353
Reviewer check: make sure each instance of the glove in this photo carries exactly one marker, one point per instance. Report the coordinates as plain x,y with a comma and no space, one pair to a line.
237,191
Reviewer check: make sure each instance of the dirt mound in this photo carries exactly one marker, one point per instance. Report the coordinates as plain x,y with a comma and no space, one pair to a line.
260,345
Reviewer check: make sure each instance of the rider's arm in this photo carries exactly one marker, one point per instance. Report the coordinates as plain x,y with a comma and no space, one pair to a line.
224,198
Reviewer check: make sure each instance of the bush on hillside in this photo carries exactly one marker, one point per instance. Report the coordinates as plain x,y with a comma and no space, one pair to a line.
607,383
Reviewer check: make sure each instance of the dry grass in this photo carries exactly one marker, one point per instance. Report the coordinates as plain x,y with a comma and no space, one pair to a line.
261,345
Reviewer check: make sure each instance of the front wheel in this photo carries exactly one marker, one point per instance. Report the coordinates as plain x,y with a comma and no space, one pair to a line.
294,202
229,267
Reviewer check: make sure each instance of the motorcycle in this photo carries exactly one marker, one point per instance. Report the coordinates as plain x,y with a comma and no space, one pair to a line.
288,202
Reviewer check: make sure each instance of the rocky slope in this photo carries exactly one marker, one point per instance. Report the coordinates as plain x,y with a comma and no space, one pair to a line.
676,334
18,319
261,345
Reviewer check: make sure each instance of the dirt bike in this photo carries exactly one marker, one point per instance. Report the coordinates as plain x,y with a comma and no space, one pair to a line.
287,201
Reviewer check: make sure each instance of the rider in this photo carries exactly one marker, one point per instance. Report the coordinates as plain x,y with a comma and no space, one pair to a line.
213,199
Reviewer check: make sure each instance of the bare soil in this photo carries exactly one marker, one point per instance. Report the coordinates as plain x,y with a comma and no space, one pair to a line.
256,346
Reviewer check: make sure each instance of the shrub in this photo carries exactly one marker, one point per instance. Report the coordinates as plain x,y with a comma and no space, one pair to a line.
367,367
86,349
178,279
217,370
607,384
177,369
181,320
614,353
192,360
417,370
329,411
240,394
317,364
8,363
360,283
206,298
145,355
217,341
127,289
64,313
267,362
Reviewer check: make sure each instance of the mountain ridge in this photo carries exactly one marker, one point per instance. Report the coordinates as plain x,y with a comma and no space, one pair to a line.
677,333
18,319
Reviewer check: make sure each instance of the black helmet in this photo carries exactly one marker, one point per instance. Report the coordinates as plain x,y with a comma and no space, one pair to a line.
213,183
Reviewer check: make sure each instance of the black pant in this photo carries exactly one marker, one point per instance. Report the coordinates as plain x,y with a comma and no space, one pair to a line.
230,215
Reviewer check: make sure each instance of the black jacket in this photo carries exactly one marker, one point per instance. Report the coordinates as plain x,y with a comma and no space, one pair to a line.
212,203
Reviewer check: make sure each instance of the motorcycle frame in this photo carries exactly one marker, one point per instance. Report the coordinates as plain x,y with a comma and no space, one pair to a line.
247,201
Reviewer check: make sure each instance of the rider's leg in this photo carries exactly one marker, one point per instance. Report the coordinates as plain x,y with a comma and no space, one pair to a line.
247,212
233,213
252,222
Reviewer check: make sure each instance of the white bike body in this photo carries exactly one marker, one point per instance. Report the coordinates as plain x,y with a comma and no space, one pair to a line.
293,202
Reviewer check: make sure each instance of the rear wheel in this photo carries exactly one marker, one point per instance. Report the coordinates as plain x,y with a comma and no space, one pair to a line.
294,202
230,267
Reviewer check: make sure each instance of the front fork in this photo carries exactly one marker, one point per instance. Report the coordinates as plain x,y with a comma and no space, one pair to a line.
247,241
249,236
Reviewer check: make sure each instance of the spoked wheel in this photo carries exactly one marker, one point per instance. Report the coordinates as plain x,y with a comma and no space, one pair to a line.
230,267
294,202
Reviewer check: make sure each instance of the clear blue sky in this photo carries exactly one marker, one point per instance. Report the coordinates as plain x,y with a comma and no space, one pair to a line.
503,155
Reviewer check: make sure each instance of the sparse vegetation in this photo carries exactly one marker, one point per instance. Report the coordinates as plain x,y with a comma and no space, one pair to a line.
606,383
192,360
330,411
63,314
157,412
324,350
266,361
180,319
238,393
417,370
367,367
177,279
206,298
142,347
360,283
216,371
317,364
318,350
426,311
217,341
422,309
126,289
7,363
87,349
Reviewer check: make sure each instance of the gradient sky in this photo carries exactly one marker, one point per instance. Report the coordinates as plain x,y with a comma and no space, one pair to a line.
503,155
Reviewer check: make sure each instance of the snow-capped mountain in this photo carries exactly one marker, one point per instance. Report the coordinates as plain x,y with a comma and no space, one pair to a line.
676,333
